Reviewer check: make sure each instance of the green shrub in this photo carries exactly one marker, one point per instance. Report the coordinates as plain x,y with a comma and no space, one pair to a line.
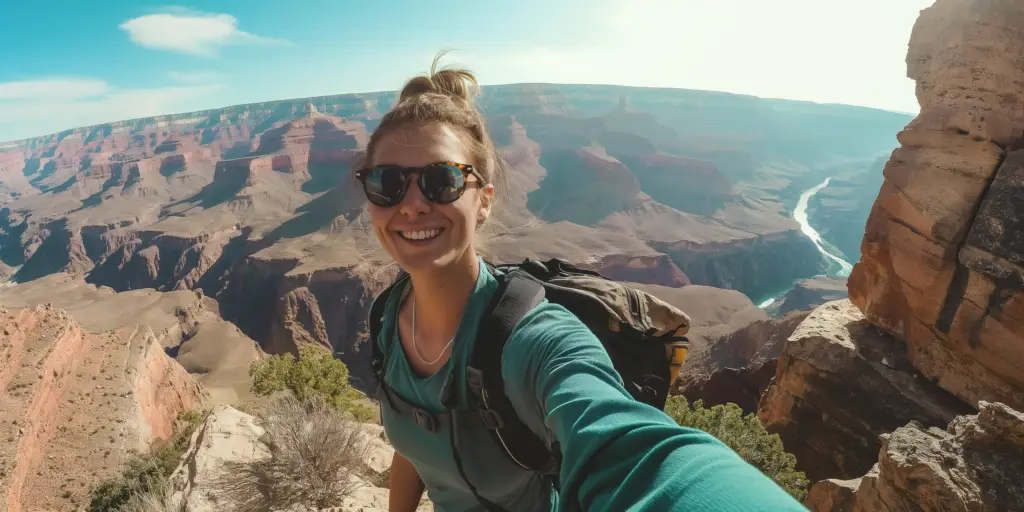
315,374
146,474
746,436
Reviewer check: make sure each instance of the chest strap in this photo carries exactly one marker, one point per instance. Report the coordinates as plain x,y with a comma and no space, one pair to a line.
434,422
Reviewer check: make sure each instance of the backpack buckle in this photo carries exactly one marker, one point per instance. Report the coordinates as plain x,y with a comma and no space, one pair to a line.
424,419
475,380
491,419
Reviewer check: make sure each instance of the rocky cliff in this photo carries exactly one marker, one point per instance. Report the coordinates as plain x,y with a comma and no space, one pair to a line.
188,201
942,259
974,464
73,399
186,325
839,384
739,366
933,325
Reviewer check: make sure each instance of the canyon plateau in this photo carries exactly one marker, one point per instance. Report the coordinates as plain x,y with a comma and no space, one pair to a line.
147,263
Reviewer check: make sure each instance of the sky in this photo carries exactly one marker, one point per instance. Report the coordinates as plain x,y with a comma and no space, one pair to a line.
65,64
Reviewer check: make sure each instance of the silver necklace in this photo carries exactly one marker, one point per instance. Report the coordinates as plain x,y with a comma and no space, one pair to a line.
416,347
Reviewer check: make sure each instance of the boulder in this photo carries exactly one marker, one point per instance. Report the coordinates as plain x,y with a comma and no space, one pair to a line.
840,383
976,464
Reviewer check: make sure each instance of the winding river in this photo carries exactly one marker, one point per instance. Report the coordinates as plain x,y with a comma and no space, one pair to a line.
800,215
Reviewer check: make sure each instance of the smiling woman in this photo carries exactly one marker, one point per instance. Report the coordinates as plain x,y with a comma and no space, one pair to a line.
431,177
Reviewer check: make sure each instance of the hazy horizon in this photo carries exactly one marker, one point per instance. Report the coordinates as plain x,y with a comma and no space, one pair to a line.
135,60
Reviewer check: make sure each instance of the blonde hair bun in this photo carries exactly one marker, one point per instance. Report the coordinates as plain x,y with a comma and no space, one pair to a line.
457,84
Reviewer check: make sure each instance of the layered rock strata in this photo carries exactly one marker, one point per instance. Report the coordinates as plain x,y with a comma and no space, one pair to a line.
840,384
73,399
943,263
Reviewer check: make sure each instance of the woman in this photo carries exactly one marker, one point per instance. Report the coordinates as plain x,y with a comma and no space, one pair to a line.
431,178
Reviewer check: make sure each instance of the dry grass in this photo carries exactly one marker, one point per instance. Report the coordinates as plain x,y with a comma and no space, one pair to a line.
156,500
317,457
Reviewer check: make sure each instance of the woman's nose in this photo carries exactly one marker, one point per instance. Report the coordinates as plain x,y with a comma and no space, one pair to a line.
414,203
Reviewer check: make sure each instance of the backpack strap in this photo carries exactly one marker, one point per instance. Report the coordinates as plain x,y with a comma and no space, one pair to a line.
518,293
429,421
379,355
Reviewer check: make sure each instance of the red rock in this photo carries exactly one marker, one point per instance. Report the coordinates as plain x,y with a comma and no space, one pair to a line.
940,268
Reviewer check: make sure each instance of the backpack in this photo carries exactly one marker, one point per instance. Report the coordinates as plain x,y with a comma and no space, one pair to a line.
644,336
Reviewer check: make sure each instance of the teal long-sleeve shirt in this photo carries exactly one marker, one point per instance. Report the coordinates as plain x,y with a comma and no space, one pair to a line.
617,454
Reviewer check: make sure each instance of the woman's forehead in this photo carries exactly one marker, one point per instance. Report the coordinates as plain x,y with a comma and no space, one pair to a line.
420,144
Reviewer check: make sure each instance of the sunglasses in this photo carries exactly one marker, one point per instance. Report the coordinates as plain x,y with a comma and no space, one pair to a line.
441,183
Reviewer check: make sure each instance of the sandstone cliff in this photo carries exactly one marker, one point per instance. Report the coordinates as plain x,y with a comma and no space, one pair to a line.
975,464
840,384
943,265
184,324
73,399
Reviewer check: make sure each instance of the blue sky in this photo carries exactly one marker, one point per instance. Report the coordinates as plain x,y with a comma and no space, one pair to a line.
65,64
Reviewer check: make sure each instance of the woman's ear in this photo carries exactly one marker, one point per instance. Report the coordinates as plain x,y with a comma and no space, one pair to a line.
486,196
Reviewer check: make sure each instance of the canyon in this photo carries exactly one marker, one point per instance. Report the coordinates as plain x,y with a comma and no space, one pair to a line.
907,395
255,206
151,261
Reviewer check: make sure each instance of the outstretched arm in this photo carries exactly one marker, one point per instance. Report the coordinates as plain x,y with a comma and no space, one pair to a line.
619,454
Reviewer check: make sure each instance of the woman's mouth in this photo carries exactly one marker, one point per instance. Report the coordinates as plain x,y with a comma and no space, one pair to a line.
421,235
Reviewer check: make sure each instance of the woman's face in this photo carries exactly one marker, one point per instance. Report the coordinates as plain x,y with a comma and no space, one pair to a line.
449,228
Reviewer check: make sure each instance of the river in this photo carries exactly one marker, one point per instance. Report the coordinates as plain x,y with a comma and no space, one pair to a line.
800,215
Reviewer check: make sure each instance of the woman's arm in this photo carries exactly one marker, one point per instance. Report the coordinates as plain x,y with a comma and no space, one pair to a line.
405,485
619,454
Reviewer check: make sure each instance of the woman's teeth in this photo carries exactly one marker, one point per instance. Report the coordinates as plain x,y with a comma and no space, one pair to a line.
420,235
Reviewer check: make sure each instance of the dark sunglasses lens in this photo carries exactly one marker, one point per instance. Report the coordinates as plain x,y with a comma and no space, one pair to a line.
385,186
442,183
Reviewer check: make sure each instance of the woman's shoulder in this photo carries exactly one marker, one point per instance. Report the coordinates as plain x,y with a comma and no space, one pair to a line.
547,332
548,319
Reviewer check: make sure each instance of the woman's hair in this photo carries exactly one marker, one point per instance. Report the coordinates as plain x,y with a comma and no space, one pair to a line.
445,96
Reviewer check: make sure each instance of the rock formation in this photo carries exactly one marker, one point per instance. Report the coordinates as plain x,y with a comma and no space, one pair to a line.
809,294
184,324
73,399
942,265
738,367
973,465
934,324
840,383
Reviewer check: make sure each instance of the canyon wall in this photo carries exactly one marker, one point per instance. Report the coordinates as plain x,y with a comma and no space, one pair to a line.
933,328
74,399
973,464
943,262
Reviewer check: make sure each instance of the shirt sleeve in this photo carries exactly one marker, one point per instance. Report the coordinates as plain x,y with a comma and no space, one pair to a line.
619,454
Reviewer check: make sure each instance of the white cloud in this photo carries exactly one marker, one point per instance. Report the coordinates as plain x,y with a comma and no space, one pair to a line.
190,32
193,77
52,88
23,116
